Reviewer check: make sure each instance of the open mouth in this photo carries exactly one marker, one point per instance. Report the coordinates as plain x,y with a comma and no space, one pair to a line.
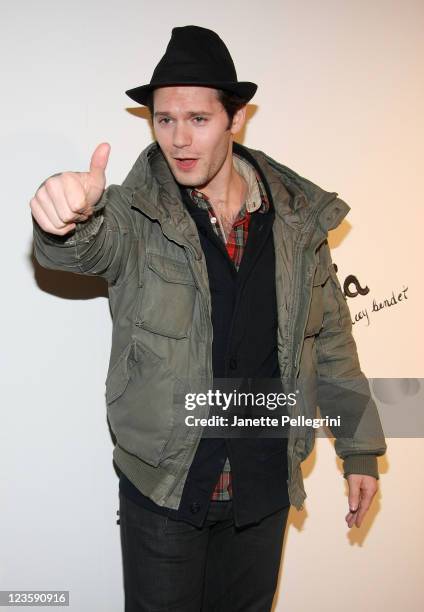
186,163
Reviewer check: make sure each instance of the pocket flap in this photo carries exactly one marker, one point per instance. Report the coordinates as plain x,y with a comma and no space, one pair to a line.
169,269
321,275
118,377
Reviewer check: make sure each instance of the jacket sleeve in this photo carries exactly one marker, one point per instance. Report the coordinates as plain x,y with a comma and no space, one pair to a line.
343,389
100,246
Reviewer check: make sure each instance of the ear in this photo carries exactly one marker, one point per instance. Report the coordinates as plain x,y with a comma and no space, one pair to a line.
239,120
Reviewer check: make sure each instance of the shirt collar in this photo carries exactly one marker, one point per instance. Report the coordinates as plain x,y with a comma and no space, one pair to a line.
253,199
255,196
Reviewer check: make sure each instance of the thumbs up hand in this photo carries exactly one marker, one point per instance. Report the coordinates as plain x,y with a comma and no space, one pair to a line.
67,198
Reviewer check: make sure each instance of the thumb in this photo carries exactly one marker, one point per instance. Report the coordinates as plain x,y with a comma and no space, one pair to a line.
354,493
99,161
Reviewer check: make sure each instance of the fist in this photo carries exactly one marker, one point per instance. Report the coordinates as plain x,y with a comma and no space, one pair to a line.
67,198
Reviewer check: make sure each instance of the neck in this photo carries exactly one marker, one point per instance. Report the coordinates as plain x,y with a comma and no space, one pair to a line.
227,189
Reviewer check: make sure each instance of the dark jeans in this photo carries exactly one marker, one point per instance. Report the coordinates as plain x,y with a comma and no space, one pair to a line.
171,566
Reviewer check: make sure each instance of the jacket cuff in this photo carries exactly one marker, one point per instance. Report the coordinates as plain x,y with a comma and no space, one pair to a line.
83,231
361,464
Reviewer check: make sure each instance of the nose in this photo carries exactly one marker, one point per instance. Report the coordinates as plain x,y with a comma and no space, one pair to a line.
181,135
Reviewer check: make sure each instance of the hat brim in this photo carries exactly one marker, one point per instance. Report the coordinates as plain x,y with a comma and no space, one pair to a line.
244,89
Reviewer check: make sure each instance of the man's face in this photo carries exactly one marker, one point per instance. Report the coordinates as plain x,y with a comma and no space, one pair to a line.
191,128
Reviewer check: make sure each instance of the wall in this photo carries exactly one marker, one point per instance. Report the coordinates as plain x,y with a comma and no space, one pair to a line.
340,101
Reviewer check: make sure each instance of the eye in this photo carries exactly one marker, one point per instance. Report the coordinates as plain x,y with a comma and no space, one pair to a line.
165,120
199,119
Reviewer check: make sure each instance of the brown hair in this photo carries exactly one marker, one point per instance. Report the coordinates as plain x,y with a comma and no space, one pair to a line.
230,101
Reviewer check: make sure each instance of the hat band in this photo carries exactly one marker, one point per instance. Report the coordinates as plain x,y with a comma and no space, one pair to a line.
190,71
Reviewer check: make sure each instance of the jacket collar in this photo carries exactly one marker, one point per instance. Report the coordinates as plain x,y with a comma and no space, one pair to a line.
303,205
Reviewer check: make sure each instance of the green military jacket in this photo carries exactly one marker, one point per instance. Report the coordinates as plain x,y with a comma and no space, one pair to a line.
143,241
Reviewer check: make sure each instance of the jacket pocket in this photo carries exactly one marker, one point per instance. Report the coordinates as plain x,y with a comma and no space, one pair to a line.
140,396
167,297
316,311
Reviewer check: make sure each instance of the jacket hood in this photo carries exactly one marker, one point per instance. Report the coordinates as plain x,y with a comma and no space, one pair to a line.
296,199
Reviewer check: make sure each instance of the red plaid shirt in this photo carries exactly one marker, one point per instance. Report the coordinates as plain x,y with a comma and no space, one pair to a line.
256,201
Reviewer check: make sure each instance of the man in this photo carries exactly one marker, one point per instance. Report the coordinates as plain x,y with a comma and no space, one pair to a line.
218,268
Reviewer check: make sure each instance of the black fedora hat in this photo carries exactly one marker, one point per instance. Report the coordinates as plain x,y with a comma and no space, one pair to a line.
195,56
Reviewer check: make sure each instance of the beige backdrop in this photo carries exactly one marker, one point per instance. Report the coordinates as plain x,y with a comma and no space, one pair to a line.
340,101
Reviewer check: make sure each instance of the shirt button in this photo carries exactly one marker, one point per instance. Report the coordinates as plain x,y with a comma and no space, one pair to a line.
195,507
213,220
